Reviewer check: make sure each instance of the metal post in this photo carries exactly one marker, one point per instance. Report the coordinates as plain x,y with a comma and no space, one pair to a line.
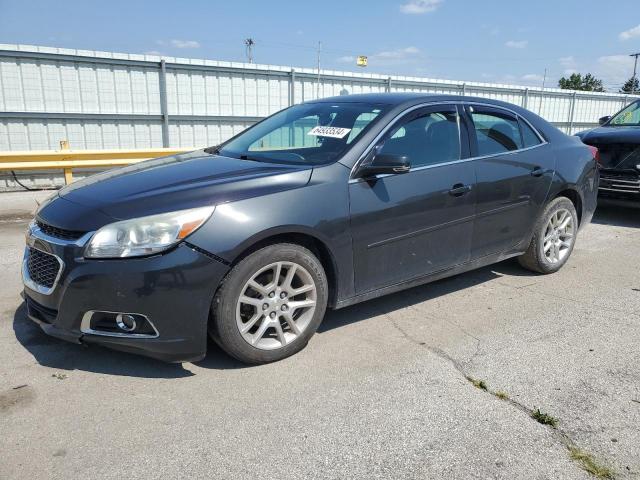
572,112
388,86
292,87
463,89
318,84
68,172
544,81
525,98
164,111
633,79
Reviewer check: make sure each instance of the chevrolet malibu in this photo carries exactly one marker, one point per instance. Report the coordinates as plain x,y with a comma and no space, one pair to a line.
322,205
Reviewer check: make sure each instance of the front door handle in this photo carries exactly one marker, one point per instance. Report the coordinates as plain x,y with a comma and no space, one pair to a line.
537,172
459,189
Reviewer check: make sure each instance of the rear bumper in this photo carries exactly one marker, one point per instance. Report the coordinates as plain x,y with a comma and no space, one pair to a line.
173,290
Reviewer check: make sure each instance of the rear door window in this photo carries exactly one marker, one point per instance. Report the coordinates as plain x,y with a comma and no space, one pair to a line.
496,131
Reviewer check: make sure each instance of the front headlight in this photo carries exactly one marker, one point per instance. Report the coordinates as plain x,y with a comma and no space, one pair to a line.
145,235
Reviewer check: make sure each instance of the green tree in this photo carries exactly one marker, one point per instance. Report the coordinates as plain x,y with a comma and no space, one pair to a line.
631,86
576,81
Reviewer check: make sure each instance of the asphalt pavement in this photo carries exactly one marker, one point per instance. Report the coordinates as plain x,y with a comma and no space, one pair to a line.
439,381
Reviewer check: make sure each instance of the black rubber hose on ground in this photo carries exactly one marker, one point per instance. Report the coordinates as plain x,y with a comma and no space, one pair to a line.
15,179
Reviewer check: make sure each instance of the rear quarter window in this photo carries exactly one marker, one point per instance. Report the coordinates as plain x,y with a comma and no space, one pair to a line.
529,137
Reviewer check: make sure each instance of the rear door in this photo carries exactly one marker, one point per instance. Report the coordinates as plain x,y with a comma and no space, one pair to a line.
408,225
514,169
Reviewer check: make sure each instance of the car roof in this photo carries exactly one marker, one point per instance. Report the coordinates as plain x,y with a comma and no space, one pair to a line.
401,100
408,98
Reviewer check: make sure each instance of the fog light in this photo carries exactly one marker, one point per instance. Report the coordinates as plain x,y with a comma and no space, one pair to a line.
117,324
126,322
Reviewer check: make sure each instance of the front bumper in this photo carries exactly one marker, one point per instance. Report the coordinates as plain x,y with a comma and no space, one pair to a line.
172,290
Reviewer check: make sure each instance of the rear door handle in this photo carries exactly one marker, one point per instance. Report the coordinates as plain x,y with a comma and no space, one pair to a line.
459,189
537,172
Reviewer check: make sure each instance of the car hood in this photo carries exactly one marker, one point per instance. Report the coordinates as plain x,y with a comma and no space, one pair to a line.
165,184
608,135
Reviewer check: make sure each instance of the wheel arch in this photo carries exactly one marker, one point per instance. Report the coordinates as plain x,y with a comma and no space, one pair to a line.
573,195
300,236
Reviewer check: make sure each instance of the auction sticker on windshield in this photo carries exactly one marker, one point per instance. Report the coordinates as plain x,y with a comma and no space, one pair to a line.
333,132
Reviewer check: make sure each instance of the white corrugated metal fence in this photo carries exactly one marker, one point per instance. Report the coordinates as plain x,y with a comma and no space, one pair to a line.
102,100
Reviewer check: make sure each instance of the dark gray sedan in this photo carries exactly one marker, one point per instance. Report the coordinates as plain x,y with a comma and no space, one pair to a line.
324,204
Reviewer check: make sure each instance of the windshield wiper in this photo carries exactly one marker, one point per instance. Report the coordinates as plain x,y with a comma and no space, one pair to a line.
212,150
252,159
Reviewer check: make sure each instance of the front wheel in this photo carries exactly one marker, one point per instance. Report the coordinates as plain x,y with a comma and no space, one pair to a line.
553,238
270,304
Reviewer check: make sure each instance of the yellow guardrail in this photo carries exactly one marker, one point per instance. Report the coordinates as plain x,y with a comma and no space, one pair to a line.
67,160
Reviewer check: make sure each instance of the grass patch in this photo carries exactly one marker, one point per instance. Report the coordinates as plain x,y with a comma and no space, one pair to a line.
589,464
544,418
502,395
478,383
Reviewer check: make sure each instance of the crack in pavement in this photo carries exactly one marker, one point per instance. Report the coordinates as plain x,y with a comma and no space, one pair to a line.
563,437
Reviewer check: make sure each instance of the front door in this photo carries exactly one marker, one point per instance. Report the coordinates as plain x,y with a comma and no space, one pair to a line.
408,225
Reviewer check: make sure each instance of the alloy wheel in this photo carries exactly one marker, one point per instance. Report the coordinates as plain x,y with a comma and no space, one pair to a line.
276,305
559,236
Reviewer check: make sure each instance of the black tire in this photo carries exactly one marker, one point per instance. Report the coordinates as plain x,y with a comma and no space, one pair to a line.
223,327
534,258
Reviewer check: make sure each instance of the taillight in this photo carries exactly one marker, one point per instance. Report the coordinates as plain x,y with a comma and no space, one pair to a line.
595,152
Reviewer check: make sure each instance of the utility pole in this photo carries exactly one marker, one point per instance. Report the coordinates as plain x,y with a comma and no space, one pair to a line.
249,43
635,66
544,81
318,84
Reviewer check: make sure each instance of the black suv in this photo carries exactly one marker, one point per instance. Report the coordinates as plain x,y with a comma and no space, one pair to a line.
618,143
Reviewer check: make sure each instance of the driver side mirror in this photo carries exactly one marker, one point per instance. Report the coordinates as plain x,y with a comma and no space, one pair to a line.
604,119
385,164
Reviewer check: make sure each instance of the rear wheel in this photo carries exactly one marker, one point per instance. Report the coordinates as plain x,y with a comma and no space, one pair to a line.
270,304
553,239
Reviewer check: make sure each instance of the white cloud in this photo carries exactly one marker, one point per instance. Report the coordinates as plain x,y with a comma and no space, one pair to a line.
154,52
629,34
568,62
615,68
346,59
569,65
517,44
418,7
532,78
185,44
398,54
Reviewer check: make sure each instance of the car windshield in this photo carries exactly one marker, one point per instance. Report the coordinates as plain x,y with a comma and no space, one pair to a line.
628,116
314,133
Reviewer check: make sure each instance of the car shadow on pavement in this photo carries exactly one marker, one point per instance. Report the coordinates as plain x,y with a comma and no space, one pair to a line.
621,216
54,353
419,294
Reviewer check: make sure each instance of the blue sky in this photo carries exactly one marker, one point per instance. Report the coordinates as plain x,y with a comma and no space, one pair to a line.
490,40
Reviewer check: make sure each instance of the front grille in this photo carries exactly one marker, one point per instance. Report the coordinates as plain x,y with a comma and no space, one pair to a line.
619,182
59,232
43,268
